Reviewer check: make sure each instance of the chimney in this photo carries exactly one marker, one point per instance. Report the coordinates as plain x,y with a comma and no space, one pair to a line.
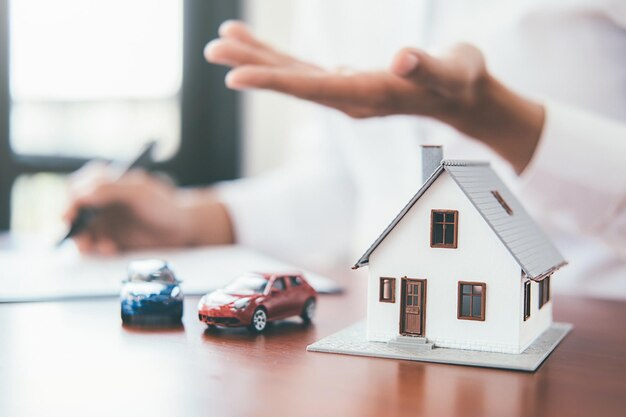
432,155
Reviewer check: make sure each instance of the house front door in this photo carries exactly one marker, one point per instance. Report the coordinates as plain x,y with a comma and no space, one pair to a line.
413,305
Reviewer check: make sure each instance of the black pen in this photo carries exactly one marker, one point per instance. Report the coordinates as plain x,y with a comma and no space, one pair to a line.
86,214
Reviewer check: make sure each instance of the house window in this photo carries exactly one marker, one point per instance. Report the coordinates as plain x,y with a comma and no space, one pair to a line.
544,291
472,301
387,291
443,228
503,203
526,300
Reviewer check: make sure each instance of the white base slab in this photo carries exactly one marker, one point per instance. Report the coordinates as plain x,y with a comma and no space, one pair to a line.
351,341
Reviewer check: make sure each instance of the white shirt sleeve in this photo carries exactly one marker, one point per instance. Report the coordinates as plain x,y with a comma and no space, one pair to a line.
302,212
577,176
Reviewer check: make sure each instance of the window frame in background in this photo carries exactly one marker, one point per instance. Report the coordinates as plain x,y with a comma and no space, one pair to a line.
210,121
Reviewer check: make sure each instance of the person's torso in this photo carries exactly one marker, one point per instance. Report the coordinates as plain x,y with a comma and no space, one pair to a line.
565,50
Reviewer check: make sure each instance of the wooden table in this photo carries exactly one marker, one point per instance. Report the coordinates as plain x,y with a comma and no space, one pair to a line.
75,358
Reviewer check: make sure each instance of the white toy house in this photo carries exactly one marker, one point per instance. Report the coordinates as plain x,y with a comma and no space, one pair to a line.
462,265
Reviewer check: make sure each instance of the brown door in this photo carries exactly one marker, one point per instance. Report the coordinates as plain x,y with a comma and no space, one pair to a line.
412,309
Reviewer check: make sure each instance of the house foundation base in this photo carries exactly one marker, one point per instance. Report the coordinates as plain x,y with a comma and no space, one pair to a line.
351,341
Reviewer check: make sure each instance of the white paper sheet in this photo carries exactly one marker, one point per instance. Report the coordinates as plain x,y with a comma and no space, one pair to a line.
41,274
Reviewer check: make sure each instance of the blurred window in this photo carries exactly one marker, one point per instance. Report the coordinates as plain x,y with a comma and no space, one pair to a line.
93,77
83,79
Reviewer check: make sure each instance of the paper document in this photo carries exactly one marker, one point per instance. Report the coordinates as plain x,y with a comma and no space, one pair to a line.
64,274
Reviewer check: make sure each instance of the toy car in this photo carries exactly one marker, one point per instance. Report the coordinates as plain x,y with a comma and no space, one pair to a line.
255,299
151,294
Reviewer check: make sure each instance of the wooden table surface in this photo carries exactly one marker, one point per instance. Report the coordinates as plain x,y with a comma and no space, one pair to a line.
76,359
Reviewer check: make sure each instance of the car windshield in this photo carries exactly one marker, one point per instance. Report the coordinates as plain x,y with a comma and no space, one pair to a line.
247,284
151,271
157,276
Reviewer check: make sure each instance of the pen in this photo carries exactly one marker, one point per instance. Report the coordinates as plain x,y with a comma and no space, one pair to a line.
86,214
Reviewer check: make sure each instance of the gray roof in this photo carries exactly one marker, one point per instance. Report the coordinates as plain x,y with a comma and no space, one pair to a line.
519,233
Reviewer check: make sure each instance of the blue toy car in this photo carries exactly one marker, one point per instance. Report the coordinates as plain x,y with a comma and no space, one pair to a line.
151,294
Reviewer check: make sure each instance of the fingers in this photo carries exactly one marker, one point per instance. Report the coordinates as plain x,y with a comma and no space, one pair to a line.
423,68
237,30
358,95
333,89
128,209
109,232
454,70
404,63
129,191
237,46
323,88
81,182
295,82
103,192
88,243
234,53
107,247
84,243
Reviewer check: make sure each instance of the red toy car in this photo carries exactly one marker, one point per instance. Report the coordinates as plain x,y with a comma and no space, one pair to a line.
255,299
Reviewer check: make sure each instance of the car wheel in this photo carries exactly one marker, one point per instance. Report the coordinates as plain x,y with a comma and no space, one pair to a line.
308,312
259,320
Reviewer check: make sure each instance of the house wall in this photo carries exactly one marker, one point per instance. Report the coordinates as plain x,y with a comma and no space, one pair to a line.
539,320
480,257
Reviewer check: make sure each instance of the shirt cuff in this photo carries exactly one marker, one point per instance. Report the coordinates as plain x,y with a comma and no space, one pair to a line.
290,216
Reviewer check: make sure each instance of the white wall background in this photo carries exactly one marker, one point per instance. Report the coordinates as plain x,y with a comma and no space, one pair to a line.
269,118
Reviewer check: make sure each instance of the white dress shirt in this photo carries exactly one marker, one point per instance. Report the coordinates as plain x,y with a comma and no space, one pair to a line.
349,178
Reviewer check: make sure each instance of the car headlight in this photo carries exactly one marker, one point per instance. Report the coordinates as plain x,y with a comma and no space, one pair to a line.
175,292
202,302
241,304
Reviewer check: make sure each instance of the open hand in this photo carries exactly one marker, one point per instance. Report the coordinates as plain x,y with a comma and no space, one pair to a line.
454,88
416,83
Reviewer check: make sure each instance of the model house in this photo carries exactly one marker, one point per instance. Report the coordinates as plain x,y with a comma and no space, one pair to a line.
461,266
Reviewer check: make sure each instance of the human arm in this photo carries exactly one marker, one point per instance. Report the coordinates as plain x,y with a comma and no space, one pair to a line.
577,177
289,212
142,211
454,88
580,182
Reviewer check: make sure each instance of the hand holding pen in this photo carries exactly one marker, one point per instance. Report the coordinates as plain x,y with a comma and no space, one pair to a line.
118,208
86,214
